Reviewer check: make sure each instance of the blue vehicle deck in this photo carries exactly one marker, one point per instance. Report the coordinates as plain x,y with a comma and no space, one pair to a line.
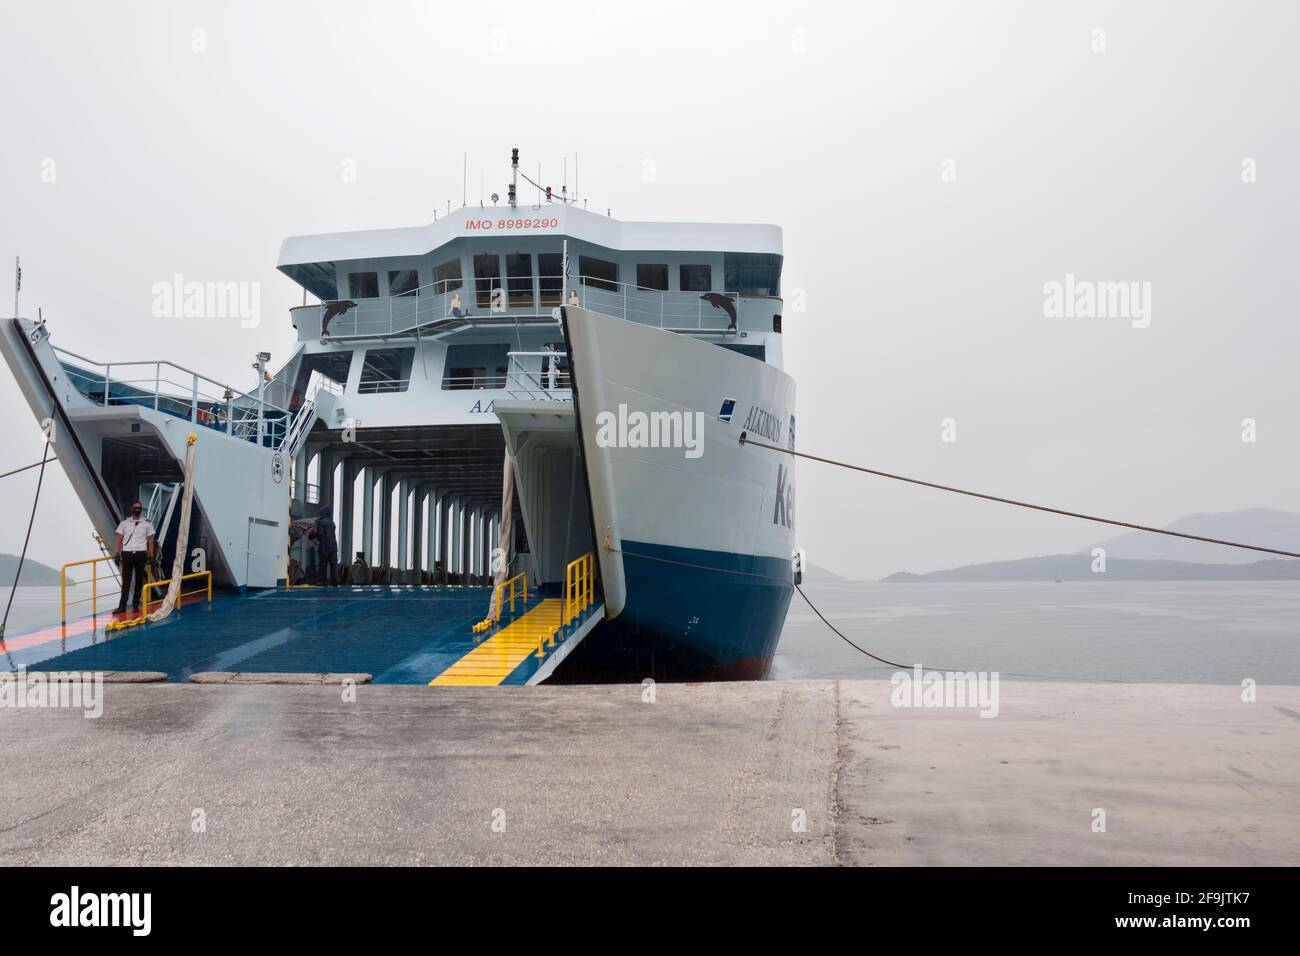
399,635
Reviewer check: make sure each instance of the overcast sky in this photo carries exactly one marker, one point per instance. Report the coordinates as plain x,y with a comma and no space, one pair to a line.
934,167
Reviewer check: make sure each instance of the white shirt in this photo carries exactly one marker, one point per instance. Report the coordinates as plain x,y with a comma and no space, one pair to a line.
135,533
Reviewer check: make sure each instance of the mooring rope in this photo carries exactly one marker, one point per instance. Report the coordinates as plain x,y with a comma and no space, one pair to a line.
745,440
182,540
22,558
35,464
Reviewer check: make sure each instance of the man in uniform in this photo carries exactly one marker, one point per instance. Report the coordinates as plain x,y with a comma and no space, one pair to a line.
329,549
134,549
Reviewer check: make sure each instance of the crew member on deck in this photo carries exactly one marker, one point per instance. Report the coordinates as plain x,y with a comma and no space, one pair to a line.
134,549
329,549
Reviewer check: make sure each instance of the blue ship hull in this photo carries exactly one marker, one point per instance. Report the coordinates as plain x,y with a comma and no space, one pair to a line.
690,615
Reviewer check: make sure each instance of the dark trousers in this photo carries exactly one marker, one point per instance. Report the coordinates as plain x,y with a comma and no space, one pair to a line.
133,565
330,568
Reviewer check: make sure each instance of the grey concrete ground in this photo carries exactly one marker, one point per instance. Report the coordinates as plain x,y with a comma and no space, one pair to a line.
779,772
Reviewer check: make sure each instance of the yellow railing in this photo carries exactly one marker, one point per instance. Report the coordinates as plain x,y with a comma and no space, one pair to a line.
95,578
204,588
579,586
498,600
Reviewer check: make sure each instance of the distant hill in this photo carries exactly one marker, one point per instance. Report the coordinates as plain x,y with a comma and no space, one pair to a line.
1078,567
1263,526
35,574
816,574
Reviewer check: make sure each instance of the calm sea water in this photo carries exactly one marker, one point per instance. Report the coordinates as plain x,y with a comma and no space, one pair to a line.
39,607
1200,632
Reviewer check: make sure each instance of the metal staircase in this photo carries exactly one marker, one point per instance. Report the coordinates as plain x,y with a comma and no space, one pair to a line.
298,431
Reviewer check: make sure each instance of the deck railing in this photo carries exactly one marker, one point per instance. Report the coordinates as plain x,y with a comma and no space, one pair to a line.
538,376
171,388
579,587
152,586
498,600
460,302
95,578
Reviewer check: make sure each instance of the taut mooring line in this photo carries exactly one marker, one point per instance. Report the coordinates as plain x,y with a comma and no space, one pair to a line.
746,440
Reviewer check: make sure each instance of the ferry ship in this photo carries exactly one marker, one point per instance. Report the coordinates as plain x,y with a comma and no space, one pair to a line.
494,393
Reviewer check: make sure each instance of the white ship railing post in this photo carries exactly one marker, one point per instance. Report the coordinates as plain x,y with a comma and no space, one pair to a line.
194,398
157,383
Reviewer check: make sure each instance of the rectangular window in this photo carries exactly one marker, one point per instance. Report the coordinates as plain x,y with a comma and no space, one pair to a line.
751,273
403,281
753,351
550,266
447,276
363,285
519,279
465,376
598,273
695,278
333,365
487,277
476,366
386,370
653,277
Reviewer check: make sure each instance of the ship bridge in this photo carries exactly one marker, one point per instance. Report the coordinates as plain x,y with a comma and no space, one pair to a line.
480,268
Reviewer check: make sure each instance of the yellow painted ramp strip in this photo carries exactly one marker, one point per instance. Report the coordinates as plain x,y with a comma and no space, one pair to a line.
496,658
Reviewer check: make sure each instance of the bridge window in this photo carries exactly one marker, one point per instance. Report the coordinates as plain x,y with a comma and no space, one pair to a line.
550,267
386,370
363,285
487,276
753,351
752,273
476,366
519,279
598,273
403,282
653,277
333,365
447,276
695,278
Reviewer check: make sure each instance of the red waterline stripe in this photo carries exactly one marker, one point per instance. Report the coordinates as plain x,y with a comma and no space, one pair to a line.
80,626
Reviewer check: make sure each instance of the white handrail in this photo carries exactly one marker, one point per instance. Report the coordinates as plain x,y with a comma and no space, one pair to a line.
242,415
404,314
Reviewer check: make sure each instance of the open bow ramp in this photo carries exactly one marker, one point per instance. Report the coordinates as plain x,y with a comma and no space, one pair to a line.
399,635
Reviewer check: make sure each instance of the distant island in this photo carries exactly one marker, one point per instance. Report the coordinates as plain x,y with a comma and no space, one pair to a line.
35,574
816,574
1143,556
1078,567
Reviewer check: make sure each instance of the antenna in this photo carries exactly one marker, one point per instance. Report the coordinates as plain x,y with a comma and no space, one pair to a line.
514,177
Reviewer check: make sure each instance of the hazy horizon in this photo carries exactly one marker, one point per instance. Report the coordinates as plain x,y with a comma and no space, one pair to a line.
936,169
